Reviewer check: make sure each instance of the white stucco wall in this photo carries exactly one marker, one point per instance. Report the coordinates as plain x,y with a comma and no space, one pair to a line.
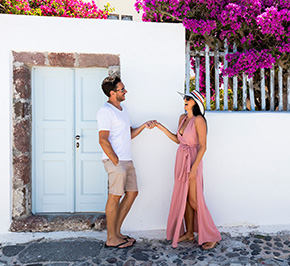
246,171
246,166
152,68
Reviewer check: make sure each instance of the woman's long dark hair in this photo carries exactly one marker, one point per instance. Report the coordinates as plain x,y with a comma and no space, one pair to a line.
196,111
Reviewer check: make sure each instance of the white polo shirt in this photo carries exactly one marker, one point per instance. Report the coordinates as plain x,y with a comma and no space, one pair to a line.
118,123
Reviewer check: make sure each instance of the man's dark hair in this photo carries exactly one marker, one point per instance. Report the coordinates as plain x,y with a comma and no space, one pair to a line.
110,84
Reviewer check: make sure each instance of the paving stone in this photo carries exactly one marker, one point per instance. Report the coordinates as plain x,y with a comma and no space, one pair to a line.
130,263
10,251
255,252
232,255
155,257
278,244
268,238
178,262
255,247
243,252
82,263
85,252
57,264
258,241
244,259
285,251
60,251
159,263
140,256
123,257
111,260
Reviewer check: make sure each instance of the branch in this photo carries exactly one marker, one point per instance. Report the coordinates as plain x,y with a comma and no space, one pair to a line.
2,8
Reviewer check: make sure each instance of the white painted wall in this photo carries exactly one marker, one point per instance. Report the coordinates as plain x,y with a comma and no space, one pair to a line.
246,169
152,67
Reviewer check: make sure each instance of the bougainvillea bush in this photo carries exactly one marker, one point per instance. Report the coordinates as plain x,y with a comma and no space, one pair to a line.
58,8
259,28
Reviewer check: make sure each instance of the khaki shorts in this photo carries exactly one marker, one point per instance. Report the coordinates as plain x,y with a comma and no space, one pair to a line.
121,177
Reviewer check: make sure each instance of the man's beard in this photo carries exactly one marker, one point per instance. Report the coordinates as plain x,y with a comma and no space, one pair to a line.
120,98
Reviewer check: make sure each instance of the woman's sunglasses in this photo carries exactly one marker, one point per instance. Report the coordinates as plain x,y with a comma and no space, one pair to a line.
187,98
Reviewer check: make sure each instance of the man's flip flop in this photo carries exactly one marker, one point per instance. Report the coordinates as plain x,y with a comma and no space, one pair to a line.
128,237
119,246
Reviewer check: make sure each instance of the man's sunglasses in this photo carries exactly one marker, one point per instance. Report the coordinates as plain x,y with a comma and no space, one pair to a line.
187,98
122,90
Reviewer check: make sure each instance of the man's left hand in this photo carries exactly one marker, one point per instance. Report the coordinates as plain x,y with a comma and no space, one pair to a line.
150,124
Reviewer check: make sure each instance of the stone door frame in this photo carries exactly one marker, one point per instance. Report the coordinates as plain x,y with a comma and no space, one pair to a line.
23,62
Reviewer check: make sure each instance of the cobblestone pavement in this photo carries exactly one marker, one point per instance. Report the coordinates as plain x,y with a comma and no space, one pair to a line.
242,250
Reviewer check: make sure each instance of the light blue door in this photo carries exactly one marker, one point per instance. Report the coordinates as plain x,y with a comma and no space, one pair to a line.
68,175
91,184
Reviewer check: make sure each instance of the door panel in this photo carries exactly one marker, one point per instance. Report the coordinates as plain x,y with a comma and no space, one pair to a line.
53,145
65,104
91,178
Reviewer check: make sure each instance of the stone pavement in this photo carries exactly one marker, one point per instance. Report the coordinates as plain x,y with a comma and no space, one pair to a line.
253,249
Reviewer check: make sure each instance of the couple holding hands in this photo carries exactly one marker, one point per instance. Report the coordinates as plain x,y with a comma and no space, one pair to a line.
188,209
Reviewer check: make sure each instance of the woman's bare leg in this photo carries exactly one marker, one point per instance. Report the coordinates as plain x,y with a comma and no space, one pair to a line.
188,216
193,203
190,207
191,197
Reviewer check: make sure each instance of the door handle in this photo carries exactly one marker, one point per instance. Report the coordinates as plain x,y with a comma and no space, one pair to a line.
77,138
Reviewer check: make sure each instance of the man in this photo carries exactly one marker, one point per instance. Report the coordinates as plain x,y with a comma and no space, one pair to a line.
115,134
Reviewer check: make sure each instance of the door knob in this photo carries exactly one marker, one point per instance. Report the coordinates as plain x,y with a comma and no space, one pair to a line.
78,137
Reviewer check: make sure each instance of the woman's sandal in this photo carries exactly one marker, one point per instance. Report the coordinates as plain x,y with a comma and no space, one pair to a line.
209,245
186,238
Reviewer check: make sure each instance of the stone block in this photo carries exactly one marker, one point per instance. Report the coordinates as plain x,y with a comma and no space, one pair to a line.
22,136
21,109
22,168
114,71
98,60
22,81
100,223
71,223
33,223
61,59
19,206
31,59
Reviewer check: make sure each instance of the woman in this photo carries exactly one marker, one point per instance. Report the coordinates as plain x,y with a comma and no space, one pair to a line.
187,198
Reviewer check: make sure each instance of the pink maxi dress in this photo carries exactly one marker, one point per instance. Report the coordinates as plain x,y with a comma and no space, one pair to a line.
185,157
